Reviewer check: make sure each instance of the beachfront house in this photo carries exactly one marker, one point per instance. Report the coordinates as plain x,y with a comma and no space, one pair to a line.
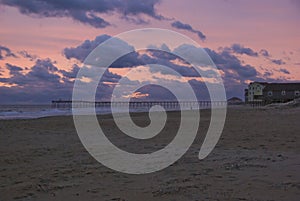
264,92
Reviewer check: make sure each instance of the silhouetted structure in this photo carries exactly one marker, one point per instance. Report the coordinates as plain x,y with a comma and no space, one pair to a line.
235,101
266,93
136,104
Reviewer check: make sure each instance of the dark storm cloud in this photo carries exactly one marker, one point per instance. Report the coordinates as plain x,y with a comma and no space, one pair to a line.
267,55
156,92
240,49
236,74
13,69
154,56
106,84
87,12
6,52
89,18
44,81
231,65
278,61
268,74
42,73
72,73
134,20
264,53
44,69
200,89
132,59
285,71
34,94
183,68
83,50
39,85
27,55
110,77
187,27
129,60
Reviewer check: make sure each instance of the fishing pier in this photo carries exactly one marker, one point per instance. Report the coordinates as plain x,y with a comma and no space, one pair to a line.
137,104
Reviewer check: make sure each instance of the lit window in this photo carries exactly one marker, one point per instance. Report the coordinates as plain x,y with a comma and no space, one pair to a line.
270,93
283,93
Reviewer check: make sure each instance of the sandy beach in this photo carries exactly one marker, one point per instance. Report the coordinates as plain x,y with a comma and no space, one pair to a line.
257,158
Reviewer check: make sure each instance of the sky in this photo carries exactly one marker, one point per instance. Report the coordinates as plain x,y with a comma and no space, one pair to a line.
43,44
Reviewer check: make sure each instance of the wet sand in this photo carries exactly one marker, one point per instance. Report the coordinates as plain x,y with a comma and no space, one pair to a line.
257,158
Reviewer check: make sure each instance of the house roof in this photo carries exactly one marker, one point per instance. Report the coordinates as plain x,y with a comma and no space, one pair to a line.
282,87
262,83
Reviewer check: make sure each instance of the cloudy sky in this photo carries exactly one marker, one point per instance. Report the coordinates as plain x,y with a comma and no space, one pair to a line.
44,42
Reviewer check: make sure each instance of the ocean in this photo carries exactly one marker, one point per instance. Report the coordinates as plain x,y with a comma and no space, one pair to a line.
46,110
38,111
31,111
